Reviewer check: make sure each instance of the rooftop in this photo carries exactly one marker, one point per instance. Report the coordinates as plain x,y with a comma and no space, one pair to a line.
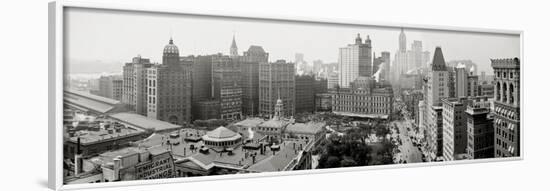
239,158
306,128
102,134
86,101
220,133
143,122
274,123
250,122
372,116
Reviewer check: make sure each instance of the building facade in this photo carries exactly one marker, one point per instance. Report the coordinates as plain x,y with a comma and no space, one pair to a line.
305,93
412,99
436,88
481,136
365,98
354,60
169,88
507,107
250,73
201,82
226,79
110,87
455,137
134,91
276,81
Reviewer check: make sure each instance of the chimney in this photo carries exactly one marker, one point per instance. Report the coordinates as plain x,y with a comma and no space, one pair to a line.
77,164
116,168
78,146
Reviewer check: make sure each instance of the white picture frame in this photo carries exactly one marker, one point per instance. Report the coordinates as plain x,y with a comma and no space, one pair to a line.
55,90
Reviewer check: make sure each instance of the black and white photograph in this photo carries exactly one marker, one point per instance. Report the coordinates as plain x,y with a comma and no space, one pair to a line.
274,95
160,95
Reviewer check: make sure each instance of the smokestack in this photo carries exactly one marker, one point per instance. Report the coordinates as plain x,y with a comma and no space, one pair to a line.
116,167
78,146
77,158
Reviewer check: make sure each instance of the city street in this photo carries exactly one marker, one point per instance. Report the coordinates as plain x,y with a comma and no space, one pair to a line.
408,152
403,130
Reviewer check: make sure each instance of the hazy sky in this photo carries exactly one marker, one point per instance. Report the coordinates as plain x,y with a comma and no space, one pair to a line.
116,36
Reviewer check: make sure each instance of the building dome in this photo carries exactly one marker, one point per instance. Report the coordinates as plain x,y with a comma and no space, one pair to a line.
221,133
171,48
221,137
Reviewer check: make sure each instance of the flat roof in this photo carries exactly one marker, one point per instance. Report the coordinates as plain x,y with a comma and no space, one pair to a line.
90,136
307,128
93,97
372,116
288,151
250,122
143,122
86,101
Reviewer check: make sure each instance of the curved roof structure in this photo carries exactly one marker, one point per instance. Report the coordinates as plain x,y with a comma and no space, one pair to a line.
221,134
171,48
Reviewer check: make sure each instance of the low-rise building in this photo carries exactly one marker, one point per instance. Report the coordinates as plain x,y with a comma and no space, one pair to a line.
364,98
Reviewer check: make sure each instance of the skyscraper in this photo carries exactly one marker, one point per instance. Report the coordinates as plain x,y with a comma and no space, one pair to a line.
436,88
406,61
134,90
506,107
402,41
481,136
250,69
386,62
276,82
455,137
169,88
201,82
110,87
226,88
305,93
355,60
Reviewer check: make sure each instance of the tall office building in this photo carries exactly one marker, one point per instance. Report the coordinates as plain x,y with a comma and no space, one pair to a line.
472,86
332,80
110,87
506,107
305,93
169,88
436,88
455,137
386,62
461,81
417,57
402,41
355,60
481,135
201,83
250,70
134,78
277,81
226,80
406,61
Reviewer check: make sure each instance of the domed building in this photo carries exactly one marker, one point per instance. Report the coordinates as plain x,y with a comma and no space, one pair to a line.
170,54
168,85
221,137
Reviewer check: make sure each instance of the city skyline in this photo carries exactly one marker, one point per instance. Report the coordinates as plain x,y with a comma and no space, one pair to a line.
230,110
212,35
